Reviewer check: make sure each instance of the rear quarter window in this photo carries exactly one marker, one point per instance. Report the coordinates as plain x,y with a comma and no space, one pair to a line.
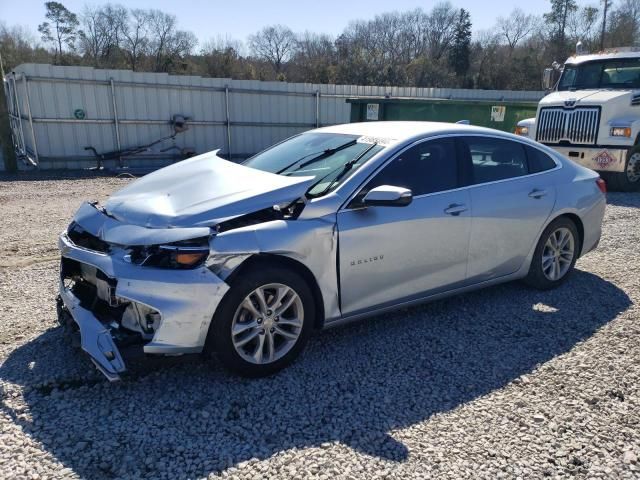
538,160
494,159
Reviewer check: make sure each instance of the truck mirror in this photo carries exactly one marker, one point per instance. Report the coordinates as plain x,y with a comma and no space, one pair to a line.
547,79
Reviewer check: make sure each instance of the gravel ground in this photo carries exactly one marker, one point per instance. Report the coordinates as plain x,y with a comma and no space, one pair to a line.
506,382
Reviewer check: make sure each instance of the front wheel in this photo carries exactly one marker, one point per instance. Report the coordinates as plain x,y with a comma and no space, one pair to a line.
629,180
263,322
555,255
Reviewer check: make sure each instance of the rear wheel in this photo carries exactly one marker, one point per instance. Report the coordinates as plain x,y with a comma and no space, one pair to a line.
263,322
555,255
629,180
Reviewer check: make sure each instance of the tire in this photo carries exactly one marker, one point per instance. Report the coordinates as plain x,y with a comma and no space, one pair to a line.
542,276
629,180
267,333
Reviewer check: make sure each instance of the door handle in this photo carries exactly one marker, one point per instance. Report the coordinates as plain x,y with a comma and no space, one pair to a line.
455,209
536,193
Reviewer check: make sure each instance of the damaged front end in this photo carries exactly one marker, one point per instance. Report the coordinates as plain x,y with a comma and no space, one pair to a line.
147,271
127,300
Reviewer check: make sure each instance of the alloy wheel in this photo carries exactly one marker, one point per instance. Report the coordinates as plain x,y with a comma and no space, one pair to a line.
558,253
267,323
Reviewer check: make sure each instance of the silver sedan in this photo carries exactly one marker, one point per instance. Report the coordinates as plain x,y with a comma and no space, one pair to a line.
244,261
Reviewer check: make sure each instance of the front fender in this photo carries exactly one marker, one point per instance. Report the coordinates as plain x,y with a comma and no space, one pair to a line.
311,242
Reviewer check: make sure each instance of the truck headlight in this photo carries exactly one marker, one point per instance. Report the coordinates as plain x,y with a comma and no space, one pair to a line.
620,132
521,130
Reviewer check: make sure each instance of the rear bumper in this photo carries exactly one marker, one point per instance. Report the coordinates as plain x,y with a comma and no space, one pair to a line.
601,159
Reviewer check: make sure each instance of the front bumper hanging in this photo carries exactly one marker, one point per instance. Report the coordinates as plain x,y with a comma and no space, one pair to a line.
95,339
179,304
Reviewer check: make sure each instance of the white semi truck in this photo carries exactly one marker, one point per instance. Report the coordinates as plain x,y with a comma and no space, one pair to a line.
592,114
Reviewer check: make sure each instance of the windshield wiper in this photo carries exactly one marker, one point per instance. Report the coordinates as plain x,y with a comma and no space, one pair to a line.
345,168
318,156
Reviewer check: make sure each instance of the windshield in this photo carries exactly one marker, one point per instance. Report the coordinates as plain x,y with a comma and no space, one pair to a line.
620,73
324,156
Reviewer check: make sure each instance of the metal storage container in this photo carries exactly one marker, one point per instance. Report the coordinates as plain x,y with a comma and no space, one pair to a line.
501,115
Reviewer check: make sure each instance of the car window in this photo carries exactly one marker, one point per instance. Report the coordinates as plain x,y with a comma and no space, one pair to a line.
495,159
359,155
283,154
425,168
328,157
538,160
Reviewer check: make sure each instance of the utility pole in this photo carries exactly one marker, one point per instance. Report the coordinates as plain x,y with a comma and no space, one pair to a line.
607,4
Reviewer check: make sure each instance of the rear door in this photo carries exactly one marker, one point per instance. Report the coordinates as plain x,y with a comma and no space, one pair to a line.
388,254
512,198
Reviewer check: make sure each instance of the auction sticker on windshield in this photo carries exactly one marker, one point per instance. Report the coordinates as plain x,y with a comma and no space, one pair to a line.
377,140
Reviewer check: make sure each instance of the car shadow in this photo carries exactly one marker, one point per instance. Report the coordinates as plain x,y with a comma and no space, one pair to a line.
354,385
624,199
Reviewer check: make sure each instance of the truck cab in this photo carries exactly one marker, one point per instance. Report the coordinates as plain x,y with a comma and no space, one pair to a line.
592,114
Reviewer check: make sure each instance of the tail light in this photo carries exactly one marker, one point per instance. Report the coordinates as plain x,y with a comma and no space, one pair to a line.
602,185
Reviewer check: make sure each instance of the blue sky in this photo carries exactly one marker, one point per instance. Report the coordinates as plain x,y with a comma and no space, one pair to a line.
237,19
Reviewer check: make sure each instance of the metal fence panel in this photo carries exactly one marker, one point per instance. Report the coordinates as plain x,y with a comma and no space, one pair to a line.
70,108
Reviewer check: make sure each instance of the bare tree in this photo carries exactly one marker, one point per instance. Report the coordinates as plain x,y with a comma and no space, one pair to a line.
414,48
161,25
486,50
315,59
18,45
440,29
93,36
582,25
274,44
516,27
222,57
177,47
136,41
102,33
624,24
117,19
168,45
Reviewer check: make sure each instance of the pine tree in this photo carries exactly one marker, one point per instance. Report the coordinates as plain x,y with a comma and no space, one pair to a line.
461,48
558,16
61,27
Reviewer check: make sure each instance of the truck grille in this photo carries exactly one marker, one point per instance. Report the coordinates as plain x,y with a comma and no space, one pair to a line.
578,126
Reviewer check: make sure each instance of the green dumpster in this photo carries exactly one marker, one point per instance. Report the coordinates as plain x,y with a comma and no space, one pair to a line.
501,115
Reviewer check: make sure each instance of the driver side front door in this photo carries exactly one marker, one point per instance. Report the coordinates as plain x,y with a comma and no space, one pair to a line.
388,255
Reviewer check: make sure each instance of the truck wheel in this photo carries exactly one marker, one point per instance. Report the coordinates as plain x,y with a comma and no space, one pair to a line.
629,180
263,322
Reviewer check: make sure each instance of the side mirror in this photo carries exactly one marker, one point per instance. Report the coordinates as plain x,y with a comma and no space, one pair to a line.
388,196
547,78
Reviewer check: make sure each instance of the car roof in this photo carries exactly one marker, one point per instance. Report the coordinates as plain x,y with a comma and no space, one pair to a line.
397,132
394,132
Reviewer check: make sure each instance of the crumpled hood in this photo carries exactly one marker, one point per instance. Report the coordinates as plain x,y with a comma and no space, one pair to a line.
583,97
202,191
